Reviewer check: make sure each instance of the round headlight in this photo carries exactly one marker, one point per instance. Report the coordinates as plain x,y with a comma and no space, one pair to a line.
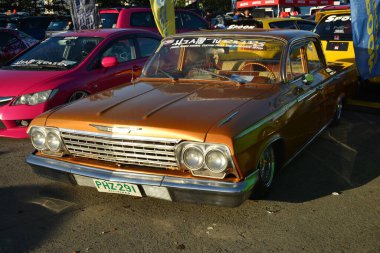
38,138
216,161
53,142
193,158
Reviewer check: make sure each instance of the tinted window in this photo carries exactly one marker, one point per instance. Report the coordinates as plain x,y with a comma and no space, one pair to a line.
143,19
147,46
108,20
283,24
59,25
190,21
335,27
308,26
122,49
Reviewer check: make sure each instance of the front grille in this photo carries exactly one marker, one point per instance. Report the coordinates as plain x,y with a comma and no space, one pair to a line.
2,126
5,100
129,150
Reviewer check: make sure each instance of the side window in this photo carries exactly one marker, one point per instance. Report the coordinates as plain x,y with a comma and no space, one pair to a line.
142,19
313,60
122,49
193,22
294,66
283,25
147,46
305,25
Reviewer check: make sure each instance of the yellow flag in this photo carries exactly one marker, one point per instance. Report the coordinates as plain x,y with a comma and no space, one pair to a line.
163,12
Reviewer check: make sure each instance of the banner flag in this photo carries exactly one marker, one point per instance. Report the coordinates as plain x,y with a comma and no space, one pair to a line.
365,17
163,12
84,14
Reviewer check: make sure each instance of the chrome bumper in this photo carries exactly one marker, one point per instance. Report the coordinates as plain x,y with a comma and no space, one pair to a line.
180,189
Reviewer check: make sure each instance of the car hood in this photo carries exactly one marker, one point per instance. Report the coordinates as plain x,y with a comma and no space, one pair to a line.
17,82
181,110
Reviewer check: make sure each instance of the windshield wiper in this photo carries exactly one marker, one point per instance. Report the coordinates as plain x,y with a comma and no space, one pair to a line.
217,75
167,74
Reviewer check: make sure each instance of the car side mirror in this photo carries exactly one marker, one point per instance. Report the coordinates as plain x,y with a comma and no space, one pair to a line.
109,61
308,79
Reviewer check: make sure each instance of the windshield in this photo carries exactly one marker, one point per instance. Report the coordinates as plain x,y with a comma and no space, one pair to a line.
59,25
57,52
335,27
108,20
241,60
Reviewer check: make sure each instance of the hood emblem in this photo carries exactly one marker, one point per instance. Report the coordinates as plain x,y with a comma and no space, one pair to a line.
116,130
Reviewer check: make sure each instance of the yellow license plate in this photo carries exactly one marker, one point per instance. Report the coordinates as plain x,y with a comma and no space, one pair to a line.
117,187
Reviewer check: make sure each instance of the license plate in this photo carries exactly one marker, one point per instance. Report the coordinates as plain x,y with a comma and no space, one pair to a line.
116,187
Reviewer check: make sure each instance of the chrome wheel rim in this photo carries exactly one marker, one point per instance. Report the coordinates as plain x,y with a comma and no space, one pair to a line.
266,166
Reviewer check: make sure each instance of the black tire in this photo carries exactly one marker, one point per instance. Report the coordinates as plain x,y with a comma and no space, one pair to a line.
267,168
77,95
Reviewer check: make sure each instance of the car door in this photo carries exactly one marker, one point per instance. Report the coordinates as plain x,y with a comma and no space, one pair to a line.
124,49
305,108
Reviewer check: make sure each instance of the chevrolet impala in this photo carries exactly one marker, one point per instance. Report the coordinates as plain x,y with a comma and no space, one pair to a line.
213,118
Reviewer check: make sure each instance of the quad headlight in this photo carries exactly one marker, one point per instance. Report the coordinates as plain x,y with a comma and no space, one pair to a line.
35,98
207,160
47,140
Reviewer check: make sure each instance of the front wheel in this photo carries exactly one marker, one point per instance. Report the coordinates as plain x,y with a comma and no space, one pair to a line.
266,167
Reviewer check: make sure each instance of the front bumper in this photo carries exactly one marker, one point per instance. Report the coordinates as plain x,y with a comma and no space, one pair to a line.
10,115
180,189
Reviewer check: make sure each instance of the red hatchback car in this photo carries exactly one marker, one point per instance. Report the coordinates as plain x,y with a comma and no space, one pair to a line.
68,67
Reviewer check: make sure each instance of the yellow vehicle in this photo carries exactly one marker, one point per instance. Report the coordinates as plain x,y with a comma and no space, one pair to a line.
335,31
268,23
287,23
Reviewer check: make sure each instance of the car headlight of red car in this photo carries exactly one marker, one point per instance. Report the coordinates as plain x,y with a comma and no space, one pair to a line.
206,160
35,98
47,140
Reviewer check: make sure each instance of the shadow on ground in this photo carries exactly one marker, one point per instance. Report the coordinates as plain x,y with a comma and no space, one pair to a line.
343,157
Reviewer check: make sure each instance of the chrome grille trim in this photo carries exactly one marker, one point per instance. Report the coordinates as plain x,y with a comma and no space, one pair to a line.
121,149
5,100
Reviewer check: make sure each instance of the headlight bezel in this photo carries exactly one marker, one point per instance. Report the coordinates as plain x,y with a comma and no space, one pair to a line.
205,171
46,149
42,97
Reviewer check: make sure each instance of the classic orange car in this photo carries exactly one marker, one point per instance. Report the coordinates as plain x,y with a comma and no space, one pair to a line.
215,116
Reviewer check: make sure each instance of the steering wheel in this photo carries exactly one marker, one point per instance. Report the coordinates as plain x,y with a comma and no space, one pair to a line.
272,75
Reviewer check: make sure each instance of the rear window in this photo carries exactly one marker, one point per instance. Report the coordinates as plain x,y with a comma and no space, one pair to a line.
283,25
108,20
335,27
142,19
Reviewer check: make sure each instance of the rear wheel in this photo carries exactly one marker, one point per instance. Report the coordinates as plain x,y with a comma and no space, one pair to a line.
78,95
338,111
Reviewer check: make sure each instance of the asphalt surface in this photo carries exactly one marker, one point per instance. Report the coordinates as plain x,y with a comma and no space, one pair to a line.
326,200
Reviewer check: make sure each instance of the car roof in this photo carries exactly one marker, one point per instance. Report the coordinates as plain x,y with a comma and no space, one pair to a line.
103,33
283,34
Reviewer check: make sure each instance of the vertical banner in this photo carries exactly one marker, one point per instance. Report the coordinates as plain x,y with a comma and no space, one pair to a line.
163,12
84,14
365,17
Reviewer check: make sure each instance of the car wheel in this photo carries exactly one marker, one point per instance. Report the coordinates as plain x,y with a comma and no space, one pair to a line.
267,167
78,95
338,111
